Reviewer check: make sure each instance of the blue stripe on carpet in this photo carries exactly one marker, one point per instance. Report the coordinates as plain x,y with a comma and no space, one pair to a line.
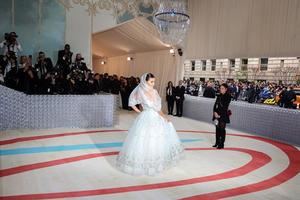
30,150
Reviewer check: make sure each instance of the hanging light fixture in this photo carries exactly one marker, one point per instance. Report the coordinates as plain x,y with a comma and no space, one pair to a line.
172,21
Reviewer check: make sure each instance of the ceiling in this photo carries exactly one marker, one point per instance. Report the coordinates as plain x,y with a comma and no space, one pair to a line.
134,36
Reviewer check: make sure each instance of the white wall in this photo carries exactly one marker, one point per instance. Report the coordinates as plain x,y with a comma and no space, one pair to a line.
78,31
80,26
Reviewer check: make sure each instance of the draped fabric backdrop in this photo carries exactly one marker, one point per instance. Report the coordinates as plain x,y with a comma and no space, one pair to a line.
162,64
243,28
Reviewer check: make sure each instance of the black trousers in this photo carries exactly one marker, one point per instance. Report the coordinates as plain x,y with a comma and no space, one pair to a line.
220,133
288,105
170,102
179,107
124,98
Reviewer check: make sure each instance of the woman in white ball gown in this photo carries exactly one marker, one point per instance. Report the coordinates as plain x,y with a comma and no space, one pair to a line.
152,144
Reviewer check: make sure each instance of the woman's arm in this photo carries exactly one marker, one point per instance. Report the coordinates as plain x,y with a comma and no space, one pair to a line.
215,111
135,109
163,115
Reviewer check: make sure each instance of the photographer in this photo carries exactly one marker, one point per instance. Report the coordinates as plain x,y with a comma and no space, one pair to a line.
64,60
10,43
77,81
43,69
43,65
25,76
61,85
78,64
10,69
90,83
115,85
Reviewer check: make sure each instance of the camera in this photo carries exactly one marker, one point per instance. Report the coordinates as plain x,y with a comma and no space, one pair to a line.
10,37
11,55
6,36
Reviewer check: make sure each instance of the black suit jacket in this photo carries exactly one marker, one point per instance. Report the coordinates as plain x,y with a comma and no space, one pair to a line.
179,92
221,107
170,97
61,61
209,92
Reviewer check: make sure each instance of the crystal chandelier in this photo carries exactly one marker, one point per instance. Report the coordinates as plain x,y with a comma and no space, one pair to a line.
172,21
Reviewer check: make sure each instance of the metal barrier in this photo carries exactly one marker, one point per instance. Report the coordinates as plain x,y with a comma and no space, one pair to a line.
18,110
263,120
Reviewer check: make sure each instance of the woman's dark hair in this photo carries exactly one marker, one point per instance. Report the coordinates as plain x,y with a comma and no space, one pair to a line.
149,75
225,86
170,82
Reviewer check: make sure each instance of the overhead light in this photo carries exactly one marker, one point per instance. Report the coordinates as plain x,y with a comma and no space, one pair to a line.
102,62
172,21
129,58
172,51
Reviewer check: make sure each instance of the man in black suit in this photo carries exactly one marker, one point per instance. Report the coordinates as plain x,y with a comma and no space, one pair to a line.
290,97
106,83
179,98
209,91
43,68
115,88
78,64
97,83
64,60
170,97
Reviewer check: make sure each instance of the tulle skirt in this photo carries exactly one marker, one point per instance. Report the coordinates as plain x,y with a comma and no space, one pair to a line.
152,145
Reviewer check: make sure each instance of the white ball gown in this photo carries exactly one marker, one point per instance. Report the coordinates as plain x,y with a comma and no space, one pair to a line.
152,144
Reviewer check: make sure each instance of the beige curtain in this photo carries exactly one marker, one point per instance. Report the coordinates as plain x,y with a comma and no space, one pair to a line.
161,63
243,28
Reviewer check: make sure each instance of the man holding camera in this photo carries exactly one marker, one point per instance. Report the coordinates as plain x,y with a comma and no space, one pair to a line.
78,64
10,44
43,67
64,60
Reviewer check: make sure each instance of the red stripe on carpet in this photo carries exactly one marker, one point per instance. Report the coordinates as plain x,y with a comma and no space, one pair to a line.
39,137
292,170
258,160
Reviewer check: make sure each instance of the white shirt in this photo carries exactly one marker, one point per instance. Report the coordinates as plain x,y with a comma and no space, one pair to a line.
169,91
15,48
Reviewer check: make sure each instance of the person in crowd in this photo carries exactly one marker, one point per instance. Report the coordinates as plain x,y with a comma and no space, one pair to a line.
170,97
251,94
64,60
209,91
43,69
236,92
106,83
79,64
90,83
290,97
62,85
98,83
10,70
115,85
179,98
125,92
221,115
10,43
44,65
282,97
25,76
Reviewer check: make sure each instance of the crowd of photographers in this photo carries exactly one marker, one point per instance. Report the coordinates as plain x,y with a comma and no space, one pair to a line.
67,76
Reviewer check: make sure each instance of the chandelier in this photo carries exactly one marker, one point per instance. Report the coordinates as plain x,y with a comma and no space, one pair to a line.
172,21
